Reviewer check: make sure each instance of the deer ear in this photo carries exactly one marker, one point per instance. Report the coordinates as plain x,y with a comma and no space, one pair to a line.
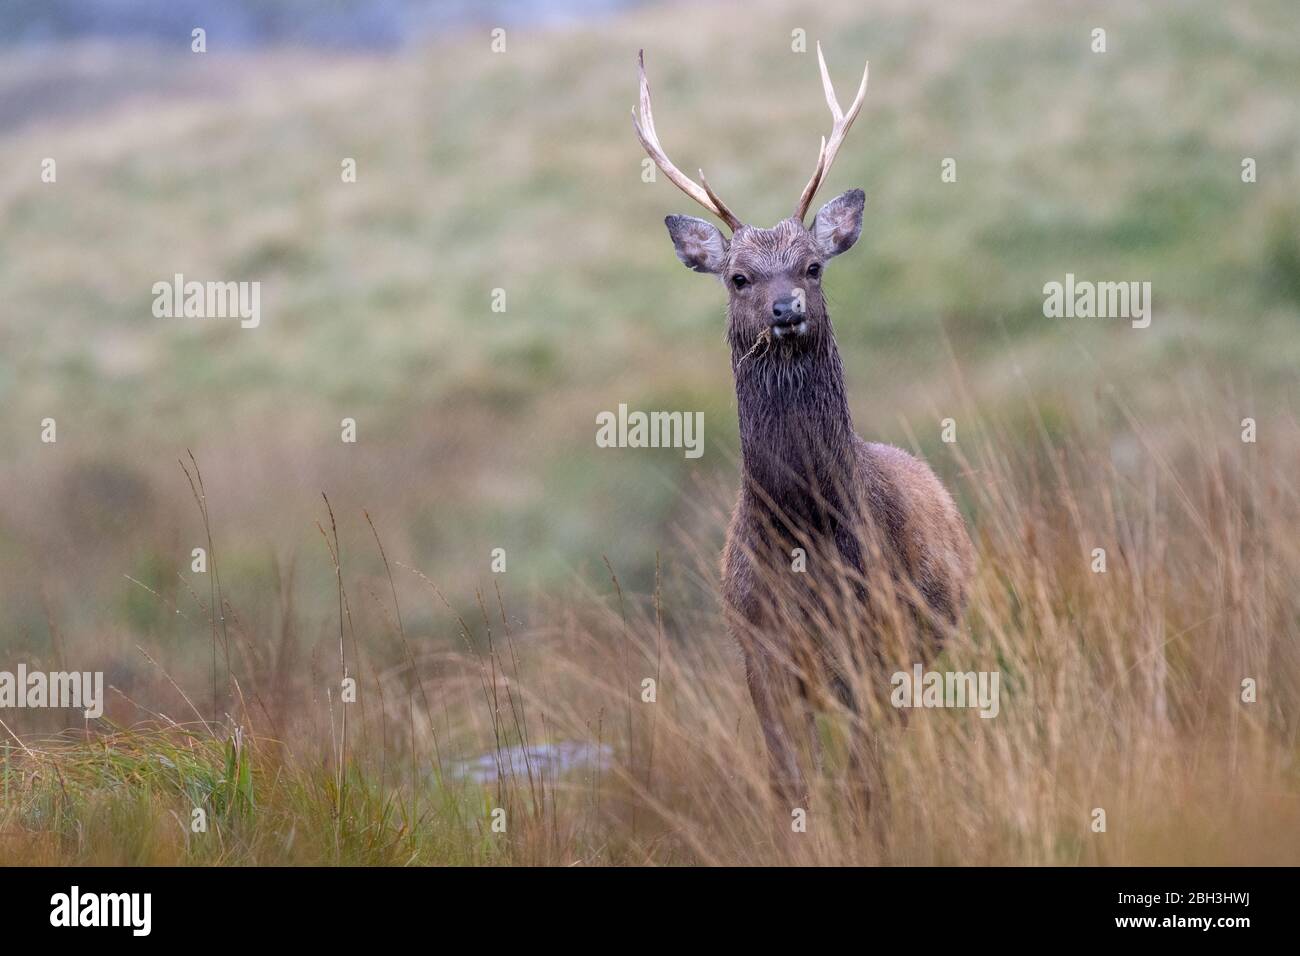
699,244
839,222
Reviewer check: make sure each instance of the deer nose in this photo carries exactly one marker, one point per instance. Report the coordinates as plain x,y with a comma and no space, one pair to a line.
784,311
789,317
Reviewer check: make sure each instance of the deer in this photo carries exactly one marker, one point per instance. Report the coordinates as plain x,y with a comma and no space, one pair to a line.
808,480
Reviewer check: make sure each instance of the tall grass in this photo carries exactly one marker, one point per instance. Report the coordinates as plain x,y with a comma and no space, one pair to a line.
1121,691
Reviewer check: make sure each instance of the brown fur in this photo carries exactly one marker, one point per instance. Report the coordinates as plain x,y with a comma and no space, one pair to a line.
869,518
871,510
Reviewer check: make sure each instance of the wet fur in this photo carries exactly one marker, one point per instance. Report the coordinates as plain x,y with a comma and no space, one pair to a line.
809,478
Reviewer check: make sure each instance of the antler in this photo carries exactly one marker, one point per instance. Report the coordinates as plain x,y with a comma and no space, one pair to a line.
650,142
838,130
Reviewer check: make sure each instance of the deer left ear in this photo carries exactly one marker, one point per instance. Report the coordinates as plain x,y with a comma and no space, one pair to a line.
839,223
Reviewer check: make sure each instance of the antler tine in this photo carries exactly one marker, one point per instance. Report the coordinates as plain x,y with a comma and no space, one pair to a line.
645,132
839,128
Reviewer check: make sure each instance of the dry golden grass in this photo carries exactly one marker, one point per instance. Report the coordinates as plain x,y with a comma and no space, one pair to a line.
1120,690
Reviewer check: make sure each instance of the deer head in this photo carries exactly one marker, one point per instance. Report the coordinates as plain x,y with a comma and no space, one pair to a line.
772,276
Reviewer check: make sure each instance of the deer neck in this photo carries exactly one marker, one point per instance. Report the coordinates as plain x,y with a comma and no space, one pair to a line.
796,433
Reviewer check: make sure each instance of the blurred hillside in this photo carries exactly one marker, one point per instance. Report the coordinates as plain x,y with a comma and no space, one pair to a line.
339,24
519,171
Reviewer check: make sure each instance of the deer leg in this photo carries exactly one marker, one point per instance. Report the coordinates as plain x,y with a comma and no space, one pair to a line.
772,703
866,775
814,739
808,714
865,788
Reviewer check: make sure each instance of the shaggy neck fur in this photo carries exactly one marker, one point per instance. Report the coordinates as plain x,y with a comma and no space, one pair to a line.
796,434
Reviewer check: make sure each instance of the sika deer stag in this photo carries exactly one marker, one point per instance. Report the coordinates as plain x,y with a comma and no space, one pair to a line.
872,511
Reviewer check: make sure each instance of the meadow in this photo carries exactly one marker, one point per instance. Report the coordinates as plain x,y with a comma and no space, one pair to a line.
518,171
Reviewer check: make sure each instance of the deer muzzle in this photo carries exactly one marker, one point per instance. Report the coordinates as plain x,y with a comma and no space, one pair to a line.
789,317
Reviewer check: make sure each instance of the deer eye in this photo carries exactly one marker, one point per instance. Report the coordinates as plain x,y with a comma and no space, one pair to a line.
739,281
814,270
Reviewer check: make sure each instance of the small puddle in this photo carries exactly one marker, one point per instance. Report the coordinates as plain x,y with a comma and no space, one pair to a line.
550,760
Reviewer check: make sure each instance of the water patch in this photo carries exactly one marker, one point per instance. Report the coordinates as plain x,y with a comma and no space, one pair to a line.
550,760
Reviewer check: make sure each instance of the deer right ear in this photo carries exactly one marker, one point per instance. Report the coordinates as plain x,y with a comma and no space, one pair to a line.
699,244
